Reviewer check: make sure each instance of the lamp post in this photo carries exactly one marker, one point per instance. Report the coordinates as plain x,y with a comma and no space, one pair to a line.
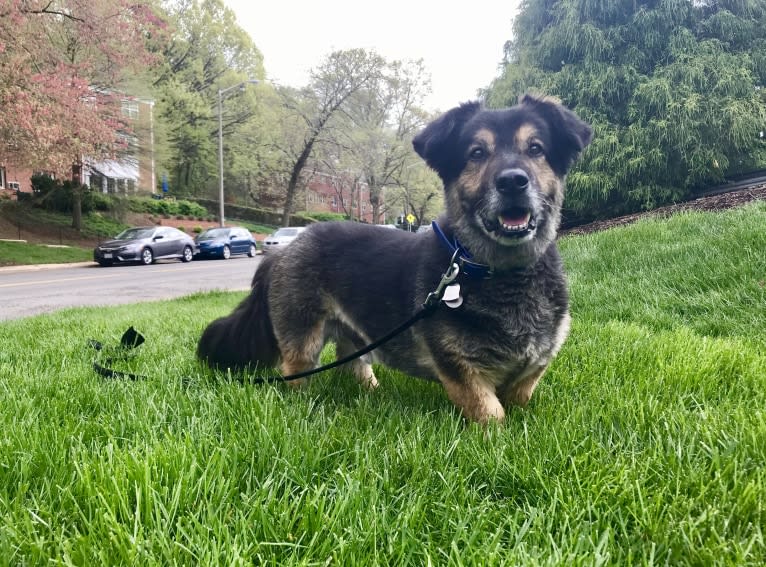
222,92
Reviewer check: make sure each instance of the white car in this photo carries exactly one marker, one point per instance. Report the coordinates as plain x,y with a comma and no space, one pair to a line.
281,238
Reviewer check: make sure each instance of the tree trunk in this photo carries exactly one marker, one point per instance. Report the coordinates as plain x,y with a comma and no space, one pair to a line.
77,207
292,185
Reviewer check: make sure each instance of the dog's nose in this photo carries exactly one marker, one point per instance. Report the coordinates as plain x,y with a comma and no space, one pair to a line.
513,179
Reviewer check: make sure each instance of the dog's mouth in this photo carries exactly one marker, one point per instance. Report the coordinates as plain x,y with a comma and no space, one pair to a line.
512,224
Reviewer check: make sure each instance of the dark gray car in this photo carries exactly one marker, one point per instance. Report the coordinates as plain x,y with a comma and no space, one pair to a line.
145,244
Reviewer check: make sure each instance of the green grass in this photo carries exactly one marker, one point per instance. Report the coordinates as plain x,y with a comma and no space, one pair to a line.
19,253
644,444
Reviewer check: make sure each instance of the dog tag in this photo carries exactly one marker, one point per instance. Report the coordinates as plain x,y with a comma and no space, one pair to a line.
452,297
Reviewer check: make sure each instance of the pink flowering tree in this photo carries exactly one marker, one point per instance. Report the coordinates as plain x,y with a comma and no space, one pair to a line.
60,63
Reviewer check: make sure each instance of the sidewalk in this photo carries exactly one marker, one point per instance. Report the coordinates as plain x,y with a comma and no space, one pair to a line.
35,267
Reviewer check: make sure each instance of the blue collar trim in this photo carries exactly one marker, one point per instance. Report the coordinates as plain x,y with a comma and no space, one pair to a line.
468,267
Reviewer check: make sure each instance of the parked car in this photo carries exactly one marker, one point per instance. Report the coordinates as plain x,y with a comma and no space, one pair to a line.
224,242
281,238
145,244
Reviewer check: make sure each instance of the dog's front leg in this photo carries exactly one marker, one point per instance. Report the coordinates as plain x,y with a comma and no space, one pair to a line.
475,397
519,392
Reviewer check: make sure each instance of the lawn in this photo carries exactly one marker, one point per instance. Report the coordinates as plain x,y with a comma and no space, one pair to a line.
16,253
644,444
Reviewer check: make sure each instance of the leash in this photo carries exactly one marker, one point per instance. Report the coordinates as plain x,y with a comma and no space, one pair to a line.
132,339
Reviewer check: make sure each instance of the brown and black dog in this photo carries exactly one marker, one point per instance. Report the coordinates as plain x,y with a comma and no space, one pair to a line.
504,174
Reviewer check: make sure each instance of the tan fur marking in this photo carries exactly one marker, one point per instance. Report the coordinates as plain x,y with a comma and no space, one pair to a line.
476,399
519,393
469,181
524,135
364,374
486,137
297,358
550,183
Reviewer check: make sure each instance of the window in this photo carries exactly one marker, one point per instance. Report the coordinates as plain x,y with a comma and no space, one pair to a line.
2,177
130,109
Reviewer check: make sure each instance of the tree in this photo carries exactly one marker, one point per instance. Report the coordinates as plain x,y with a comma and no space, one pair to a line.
208,51
670,86
420,191
385,116
339,76
60,62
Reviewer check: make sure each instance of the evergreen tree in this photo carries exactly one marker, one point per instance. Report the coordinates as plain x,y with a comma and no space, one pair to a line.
672,88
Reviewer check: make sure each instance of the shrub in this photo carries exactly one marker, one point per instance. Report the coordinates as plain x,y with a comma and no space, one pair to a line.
97,201
197,229
43,184
324,217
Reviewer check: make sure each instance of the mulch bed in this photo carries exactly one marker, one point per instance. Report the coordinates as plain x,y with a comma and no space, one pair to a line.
712,203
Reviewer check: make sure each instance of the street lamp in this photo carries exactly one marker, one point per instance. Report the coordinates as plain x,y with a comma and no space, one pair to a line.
222,92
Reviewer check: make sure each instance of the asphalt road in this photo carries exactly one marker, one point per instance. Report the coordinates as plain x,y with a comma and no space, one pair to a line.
32,290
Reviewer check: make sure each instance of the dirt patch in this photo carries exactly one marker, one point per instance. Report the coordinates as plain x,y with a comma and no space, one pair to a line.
712,203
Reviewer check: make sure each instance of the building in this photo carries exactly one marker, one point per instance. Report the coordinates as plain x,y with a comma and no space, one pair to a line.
133,169
345,195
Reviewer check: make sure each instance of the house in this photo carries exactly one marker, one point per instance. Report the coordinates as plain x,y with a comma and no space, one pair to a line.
133,169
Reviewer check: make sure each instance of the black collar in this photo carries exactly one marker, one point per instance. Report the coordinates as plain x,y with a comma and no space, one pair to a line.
468,267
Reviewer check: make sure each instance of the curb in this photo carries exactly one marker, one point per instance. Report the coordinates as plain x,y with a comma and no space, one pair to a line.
38,267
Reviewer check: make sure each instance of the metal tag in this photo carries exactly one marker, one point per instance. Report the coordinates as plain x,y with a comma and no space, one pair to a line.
452,297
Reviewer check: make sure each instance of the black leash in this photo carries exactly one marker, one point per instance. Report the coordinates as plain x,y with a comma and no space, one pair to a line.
132,338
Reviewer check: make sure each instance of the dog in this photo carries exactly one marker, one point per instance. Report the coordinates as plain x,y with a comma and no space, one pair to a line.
491,341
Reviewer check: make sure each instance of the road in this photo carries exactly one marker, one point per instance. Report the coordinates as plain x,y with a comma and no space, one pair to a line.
26,291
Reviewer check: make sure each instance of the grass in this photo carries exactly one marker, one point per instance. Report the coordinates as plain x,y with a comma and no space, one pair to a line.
645,443
20,253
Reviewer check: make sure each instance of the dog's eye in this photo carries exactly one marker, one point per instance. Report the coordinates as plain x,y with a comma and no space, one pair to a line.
535,150
477,153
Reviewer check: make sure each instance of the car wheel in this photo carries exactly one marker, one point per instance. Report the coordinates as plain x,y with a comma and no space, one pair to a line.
252,250
226,254
147,256
188,254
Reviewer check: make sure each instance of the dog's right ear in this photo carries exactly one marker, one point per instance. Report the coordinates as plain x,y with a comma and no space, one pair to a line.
436,142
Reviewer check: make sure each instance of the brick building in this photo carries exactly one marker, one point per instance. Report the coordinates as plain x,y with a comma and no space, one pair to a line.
327,193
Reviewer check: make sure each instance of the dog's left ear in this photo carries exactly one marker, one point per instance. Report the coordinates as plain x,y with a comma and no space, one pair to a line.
575,134
434,144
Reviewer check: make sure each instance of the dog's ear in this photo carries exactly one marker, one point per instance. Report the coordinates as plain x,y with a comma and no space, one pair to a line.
436,142
572,133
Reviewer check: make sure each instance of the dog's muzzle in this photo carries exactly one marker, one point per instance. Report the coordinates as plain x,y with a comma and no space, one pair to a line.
513,218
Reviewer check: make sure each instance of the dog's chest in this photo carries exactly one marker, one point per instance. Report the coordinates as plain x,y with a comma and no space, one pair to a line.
502,327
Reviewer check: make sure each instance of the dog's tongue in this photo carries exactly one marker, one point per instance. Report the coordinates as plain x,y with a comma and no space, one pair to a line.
515,219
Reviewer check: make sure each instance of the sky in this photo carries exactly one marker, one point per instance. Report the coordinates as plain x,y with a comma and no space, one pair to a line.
460,43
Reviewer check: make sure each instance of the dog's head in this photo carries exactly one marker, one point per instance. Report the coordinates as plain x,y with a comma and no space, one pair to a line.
504,174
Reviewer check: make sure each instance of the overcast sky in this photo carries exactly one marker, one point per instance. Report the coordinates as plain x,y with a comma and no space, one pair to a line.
460,43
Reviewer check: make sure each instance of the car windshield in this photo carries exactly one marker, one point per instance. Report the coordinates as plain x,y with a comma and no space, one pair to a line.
134,234
286,232
214,233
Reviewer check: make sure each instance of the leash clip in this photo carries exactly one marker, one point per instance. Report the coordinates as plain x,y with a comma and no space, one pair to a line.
448,277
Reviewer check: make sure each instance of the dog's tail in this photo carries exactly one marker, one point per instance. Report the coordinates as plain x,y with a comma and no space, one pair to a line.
246,337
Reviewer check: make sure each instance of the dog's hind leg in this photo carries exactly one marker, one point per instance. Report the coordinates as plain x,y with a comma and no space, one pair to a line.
360,367
300,352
